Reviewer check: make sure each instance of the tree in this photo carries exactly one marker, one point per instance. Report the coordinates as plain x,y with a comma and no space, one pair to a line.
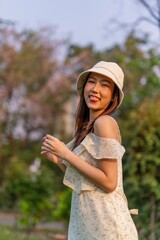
153,8
29,78
30,87
150,16
142,165
31,98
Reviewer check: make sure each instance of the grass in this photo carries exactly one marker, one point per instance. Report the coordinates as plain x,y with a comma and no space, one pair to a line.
9,233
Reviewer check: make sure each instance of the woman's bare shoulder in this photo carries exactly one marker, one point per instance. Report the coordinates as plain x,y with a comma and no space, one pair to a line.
106,126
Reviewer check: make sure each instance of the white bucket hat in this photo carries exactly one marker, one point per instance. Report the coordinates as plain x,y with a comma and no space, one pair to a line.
109,69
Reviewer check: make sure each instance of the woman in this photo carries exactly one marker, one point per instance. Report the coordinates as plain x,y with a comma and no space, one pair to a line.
92,161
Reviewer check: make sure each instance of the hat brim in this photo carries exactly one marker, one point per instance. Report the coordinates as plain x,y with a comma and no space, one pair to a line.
84,75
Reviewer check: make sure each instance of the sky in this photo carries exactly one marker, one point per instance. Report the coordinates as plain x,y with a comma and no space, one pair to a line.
84,21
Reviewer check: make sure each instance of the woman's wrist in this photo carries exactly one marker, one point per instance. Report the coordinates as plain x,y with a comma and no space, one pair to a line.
59,161
69,155
61,165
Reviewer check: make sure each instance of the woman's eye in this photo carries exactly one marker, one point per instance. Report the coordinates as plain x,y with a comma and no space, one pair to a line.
105,85
91,81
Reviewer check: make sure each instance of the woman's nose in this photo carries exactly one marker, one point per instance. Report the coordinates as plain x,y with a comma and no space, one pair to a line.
95,88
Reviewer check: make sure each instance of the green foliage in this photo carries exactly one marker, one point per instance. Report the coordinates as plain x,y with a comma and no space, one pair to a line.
8,233
31,194
142,164
62,211
31,86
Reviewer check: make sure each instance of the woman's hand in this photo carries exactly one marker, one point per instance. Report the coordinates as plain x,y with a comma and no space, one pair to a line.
52,147
51,157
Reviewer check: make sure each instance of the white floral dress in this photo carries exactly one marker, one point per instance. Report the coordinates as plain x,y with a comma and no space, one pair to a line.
96,214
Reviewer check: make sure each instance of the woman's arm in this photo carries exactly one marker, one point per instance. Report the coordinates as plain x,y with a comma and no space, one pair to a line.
105,176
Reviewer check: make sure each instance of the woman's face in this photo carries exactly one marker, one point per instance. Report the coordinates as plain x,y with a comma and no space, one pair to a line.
98,93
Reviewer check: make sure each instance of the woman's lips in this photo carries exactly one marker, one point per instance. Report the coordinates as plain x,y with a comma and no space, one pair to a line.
94,98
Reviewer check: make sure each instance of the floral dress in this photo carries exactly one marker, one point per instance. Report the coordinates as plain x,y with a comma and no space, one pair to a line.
96,214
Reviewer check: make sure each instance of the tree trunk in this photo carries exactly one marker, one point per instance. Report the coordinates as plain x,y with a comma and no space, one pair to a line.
152,218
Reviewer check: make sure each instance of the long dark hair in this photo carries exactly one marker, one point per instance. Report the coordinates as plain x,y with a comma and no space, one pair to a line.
82,124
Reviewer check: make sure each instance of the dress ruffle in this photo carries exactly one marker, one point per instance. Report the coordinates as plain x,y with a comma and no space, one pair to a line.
91,149
101,148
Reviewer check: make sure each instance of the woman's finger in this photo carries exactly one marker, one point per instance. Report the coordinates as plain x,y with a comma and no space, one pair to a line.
46,149
49,141
47,144
50,137
43,152
47,136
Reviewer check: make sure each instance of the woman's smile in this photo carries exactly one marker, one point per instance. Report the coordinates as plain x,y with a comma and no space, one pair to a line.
94,98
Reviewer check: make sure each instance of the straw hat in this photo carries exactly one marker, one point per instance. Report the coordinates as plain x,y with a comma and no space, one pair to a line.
109,69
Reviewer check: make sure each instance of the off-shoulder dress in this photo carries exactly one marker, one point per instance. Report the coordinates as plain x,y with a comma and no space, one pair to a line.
96,214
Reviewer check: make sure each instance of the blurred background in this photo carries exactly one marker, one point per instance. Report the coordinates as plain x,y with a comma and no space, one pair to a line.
44,45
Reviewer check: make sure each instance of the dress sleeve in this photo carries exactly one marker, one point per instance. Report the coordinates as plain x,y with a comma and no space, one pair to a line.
103,148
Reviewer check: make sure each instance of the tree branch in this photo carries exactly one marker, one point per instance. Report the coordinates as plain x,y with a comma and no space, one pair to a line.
6,22
158,3
133,24
149,9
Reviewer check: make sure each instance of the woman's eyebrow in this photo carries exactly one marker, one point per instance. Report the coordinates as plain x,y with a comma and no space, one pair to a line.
92,77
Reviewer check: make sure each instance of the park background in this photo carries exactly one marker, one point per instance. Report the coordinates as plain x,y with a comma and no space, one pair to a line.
43,47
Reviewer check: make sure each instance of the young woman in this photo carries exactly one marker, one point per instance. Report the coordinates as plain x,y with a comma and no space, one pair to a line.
92,161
